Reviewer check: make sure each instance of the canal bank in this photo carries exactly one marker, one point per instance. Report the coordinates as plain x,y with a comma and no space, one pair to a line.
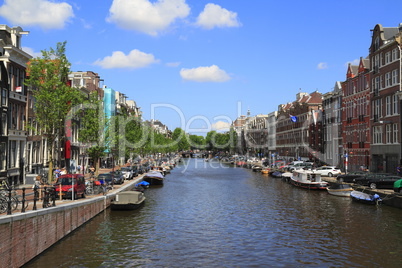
26,235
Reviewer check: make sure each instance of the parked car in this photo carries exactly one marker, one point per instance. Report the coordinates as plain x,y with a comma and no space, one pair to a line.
118,177
363,180
105,178
383,182
304,165
398,186
350,177
69,184
328,171
127,173
134,169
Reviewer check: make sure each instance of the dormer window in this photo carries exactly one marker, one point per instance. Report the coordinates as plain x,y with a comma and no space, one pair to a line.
377,43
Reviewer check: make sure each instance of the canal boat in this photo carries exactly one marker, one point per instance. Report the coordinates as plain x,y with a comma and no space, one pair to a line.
371,199
141,186
286,177
128,200
154,177
265,171
340,189
307,179
256,168
276,174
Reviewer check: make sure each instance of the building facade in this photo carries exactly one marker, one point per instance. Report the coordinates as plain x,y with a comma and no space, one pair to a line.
356,116
14,59
385,81
333,153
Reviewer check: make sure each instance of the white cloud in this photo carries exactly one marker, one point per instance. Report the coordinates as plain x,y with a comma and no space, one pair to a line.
205,74
31,52
134,60
221,126
147,17
216,16
322,66
43,13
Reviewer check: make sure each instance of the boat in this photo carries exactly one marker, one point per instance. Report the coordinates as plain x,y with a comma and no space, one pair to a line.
141,186
265,171
371,199
276,174
256,168
307,179
339,189
154,177
286,177
127,200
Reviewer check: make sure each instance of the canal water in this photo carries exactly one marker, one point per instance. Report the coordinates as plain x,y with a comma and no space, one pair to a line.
211,215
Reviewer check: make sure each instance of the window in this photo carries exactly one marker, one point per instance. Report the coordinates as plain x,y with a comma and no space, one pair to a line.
377,135
2,156
388,79
388,105
388,136
4,124
395,77
395,133
376,43
395,54
13,153
387,57
4,97
395,102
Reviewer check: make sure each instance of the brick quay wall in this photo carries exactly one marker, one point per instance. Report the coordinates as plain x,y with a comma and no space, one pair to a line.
23,236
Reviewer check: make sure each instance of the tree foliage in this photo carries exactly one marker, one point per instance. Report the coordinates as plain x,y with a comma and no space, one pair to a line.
47,77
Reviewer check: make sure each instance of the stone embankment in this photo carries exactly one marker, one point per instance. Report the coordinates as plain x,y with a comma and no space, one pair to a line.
26,235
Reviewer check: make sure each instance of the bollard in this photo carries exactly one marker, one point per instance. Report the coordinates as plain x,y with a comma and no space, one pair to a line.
36,195
54,196
9,202
23,200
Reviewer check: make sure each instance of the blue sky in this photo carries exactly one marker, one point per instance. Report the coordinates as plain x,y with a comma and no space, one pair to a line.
199,64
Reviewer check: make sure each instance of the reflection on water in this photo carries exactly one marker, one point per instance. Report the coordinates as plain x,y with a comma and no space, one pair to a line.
207,215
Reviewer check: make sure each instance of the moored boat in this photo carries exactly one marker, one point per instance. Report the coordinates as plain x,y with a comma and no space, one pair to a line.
371,199
340,189
307,179
256,168
154,177
265,171
276,174
128,200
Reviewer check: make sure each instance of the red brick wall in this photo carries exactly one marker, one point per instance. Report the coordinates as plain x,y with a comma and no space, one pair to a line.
25,235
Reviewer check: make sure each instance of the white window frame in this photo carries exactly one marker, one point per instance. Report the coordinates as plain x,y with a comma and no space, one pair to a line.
388,106
387,57
388,135
395,104
388,79
395,133
395,77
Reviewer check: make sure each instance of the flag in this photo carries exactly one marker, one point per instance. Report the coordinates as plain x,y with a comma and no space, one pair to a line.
293,118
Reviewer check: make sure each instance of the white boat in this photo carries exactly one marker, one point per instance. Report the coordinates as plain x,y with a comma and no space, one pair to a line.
371,199
154,177
307,179
340,189
127,200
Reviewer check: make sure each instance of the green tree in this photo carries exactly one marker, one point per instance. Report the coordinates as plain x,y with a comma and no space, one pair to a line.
47,77
179,136
93,126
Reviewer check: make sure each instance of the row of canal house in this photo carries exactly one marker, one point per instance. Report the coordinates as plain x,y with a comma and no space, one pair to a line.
357,125
23,149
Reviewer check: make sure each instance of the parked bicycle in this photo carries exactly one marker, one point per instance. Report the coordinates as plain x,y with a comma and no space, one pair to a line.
49,194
